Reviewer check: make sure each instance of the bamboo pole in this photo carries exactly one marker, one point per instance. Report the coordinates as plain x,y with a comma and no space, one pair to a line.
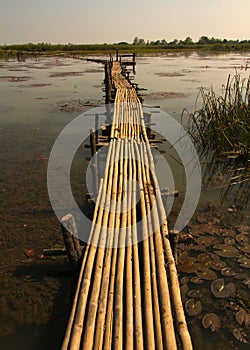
174,285
118,301
138,329
75,302
169,340
149,340
109,312
93,302
129,324
99,333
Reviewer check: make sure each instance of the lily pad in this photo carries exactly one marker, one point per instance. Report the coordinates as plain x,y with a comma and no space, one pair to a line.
245,248
226,251
240,335
211,320
187,264
227,232
184,280
242,238
190,267
212,230
246,282
218,265
204,258
244,262
204,241
243,317
229,241
222,290
227,271
193,307
201,220
242,228
207,274
195,293
196,280
184,290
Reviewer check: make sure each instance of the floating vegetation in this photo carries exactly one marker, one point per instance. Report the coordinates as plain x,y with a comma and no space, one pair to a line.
244,262
205,241
65,74
189,267
218,265
243,317
227,271
211,320
246,282
221,131
195,293
245,248
222,290
227,251
74,105
187,264
193,307
171,74
227,232
242,238
184,290
240,335
229,241
242,228
196,280
207,274
165,94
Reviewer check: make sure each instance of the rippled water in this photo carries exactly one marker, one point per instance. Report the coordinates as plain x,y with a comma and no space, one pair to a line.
38,98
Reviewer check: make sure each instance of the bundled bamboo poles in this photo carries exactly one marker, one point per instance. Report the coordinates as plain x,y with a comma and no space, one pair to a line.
126,297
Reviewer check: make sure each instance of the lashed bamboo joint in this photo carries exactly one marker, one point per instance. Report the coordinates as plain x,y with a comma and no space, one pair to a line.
128,294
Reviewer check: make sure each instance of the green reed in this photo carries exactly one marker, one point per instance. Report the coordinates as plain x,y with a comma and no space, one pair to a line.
221,131
222,123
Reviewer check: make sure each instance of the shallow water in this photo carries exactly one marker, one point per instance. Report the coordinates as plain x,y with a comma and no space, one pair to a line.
38,98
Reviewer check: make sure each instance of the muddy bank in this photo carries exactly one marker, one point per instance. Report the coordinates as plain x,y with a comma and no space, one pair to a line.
35,293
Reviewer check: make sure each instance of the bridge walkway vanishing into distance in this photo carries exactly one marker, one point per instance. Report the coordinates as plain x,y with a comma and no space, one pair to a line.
128,294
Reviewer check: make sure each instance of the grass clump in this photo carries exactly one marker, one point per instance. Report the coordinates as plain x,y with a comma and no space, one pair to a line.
221,131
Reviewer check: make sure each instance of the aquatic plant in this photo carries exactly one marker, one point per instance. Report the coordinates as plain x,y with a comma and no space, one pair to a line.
221,131
193,307
222,290
211,320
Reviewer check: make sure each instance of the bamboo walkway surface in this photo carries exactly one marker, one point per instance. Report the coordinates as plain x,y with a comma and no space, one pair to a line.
128,294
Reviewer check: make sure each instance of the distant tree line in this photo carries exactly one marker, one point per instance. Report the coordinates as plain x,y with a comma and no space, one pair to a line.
138,45
204,40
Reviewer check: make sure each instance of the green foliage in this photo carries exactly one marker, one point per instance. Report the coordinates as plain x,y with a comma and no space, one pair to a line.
222,124
138,45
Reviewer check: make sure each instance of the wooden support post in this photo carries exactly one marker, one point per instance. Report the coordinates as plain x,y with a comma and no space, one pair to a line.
54,252
71,240
173,239
97,127
117,54
92,142
147,117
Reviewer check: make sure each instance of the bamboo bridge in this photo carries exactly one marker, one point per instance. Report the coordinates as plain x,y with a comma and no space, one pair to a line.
128,294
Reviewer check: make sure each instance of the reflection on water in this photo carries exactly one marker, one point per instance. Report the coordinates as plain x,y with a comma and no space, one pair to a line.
38,98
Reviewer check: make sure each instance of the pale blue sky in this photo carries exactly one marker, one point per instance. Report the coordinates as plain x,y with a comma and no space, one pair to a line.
98,21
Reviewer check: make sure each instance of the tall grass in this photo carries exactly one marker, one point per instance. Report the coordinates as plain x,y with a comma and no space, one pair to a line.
221,130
